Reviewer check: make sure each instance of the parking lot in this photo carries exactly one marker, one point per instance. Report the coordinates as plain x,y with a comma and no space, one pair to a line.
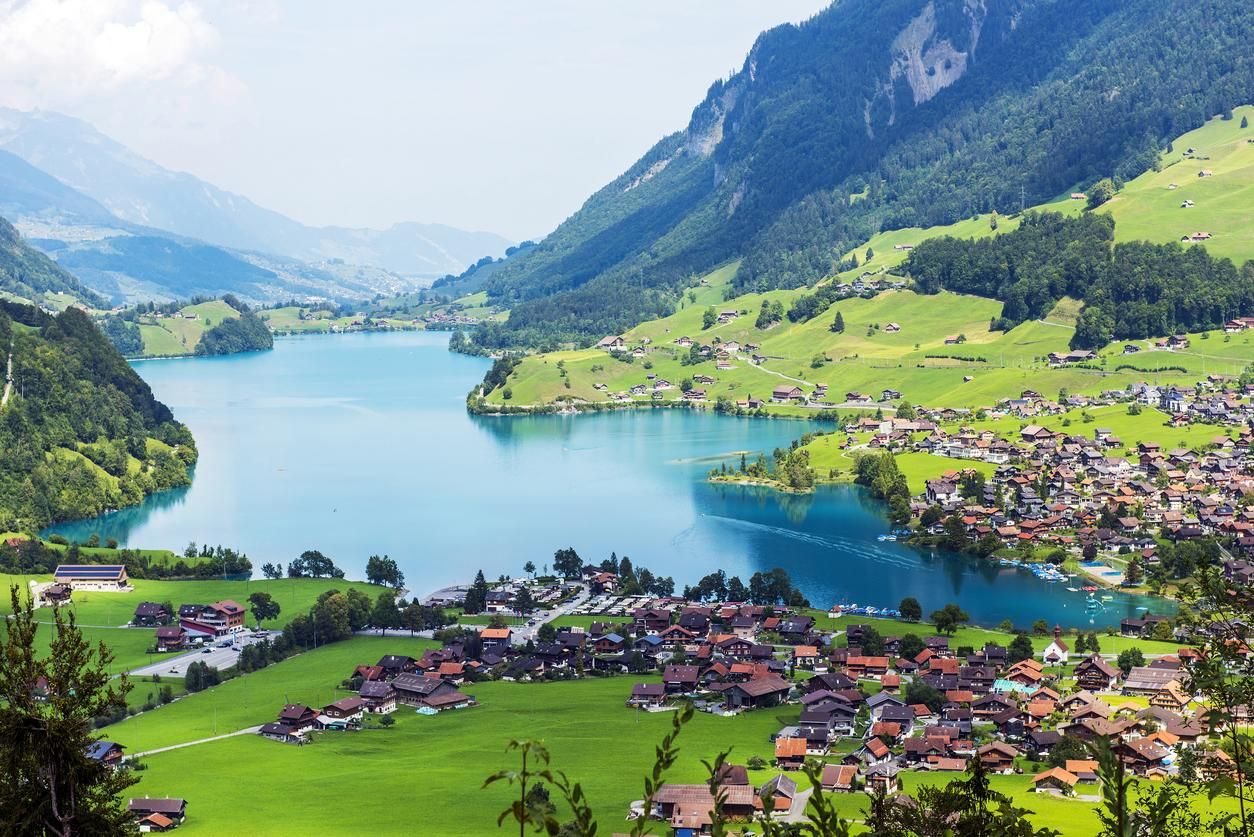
175,665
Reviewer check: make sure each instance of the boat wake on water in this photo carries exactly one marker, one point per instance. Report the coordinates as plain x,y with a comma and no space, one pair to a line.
852,546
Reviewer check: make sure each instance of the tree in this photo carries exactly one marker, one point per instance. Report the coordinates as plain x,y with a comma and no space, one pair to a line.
949,618
313,564
385,615
272,571
530,568
523,602
906,411
1132,573
910,609
1040,627
547,633
1245,121
330,618
708,318
359,609
872,642
48,784
909,646
1094,647
1129,659
477,595
1020,649
1100,192
567,563
263,606
1069,748
384,572
917,691
838,324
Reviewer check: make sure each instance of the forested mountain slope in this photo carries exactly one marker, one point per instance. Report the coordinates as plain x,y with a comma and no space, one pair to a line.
880,114
80,431
29,274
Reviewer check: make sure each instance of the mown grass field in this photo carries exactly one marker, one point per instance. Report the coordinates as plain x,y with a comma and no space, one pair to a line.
313,678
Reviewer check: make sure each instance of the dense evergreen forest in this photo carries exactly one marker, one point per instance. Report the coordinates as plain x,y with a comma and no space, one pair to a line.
27,273
1131,290
81,432
879,114
245,333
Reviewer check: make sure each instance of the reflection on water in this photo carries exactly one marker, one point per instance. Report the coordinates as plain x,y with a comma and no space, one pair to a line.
360,444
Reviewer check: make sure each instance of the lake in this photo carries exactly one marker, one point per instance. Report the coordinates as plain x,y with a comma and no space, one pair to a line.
361,444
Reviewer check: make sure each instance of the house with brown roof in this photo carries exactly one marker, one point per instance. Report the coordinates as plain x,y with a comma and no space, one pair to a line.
647,694
1055,780
1094,674
173,810
790,753
379,697
759,692
997,756
840,778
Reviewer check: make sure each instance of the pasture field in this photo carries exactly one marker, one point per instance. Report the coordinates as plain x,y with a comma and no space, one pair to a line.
174,336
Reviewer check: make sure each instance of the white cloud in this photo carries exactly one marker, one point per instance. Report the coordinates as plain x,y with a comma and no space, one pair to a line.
57,53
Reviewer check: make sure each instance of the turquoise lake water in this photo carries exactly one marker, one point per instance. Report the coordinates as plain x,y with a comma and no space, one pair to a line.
361,444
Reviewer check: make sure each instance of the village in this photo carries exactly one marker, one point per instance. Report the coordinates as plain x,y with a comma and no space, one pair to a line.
868,707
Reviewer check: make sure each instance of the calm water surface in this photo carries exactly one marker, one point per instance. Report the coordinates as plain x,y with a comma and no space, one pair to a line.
361,444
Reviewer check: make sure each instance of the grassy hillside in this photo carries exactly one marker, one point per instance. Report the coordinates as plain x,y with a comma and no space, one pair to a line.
27,275
1223,203
867,358
177,332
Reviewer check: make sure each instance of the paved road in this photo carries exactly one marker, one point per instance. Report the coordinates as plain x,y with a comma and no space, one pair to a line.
248,731
522,633
219,658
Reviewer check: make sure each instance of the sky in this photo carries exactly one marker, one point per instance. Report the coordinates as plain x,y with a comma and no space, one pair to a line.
496,115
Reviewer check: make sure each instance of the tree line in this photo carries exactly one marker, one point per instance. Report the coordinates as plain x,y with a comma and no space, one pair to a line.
1131,290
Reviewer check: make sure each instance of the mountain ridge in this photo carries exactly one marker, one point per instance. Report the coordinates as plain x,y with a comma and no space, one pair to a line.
142,192
874,116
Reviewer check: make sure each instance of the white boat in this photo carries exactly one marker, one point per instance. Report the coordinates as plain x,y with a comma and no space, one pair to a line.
1073,589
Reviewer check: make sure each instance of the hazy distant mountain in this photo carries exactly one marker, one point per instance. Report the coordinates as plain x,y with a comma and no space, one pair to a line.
28,274
131,263
139,191
27,191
